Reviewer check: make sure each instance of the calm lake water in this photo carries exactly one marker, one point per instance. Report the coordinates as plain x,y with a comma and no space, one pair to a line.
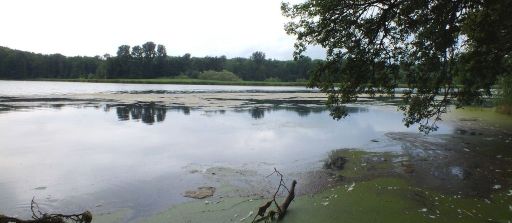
27,88
142,156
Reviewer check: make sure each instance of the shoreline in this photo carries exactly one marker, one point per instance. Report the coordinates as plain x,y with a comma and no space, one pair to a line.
172,81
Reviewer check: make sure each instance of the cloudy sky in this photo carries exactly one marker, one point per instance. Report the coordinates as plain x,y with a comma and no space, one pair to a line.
200,27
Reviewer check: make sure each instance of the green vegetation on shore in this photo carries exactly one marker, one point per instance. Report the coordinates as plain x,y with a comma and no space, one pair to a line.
376,200
146,62
504,104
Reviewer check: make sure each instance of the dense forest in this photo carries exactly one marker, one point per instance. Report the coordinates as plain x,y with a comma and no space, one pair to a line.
16,64
147,61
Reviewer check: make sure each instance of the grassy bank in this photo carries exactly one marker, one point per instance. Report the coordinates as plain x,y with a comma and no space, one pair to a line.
180,81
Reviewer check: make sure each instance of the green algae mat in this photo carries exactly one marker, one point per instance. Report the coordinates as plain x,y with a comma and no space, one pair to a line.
377,200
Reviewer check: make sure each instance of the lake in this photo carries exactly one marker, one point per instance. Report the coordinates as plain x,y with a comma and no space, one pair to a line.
92,151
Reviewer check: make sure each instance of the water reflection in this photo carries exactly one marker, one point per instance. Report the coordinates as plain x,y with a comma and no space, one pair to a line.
125,163
257,113
4,108
149,113
300,110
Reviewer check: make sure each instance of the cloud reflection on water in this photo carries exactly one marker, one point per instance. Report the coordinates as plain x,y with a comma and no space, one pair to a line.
82,152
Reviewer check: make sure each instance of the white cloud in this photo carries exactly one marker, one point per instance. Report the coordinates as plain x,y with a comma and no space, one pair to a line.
200,27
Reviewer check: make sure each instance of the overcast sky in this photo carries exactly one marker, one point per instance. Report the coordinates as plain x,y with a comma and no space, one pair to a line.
95,27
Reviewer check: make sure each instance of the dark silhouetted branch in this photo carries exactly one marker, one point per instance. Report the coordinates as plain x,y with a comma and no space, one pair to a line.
263,215
39,217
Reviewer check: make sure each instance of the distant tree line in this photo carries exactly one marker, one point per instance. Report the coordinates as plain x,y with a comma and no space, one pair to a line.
16,64
148,61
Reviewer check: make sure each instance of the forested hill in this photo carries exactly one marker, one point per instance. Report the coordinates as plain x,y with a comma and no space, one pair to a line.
146,61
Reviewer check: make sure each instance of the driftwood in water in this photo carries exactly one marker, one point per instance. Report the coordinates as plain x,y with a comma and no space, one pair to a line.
287,201
263,215
40,217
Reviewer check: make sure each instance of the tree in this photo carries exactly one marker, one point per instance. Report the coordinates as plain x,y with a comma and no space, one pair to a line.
258,60
149,50
137,52
444,51
161,59
123,51
161,51
122,60
258,57
148,59
101,71
186,62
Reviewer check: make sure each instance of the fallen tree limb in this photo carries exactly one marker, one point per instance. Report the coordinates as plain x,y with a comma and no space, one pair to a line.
263,215
287,201
39,217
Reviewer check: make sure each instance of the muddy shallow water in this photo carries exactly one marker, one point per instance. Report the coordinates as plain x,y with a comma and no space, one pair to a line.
79,146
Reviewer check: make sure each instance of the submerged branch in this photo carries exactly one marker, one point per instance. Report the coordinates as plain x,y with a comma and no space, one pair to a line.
263,215
39,217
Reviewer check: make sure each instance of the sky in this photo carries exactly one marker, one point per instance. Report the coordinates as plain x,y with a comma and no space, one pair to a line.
234,28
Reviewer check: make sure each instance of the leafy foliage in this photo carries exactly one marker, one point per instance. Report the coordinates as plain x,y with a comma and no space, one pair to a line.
445,51
218,75
273,79
505,93
16,64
